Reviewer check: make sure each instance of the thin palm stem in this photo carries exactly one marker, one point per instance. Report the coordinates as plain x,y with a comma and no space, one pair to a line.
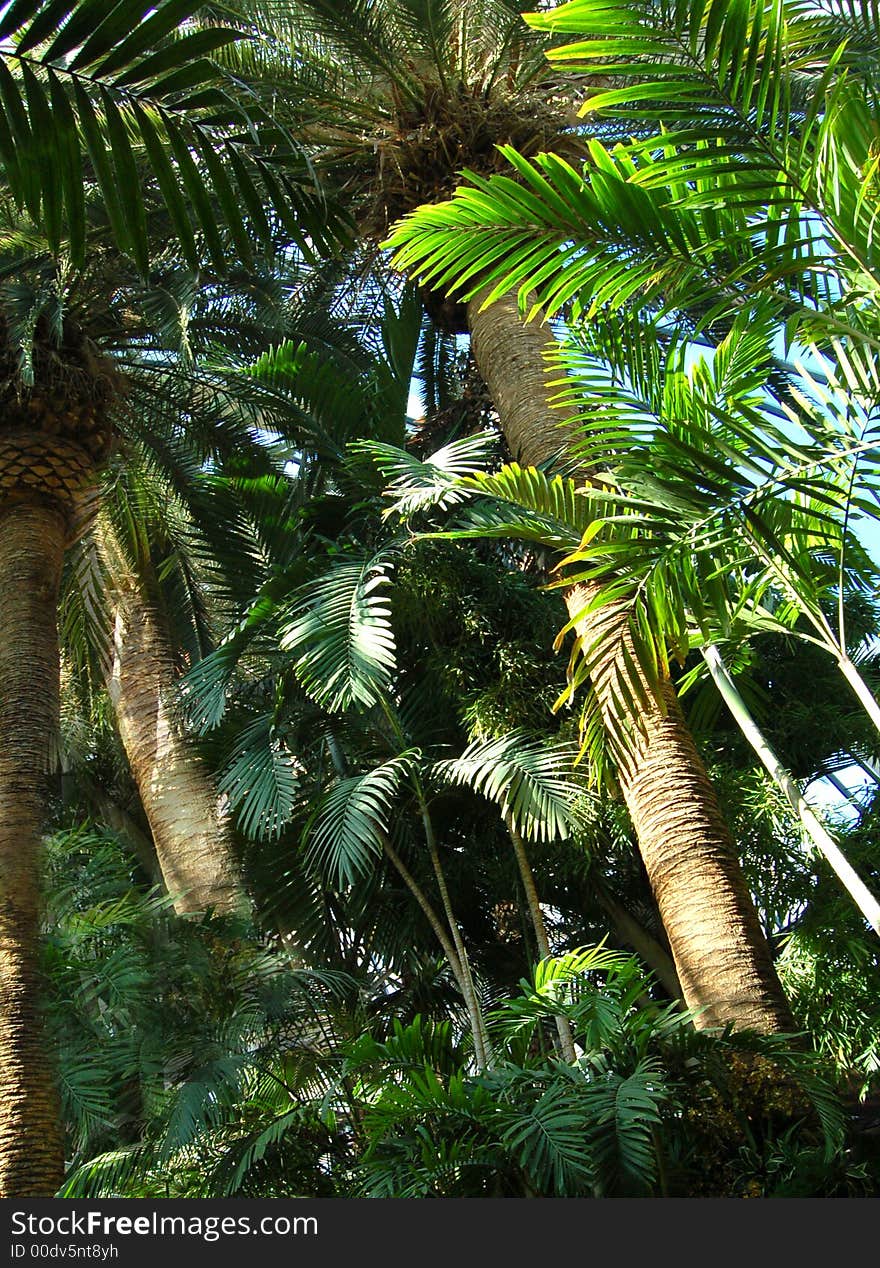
481,1037
563,1026
823,841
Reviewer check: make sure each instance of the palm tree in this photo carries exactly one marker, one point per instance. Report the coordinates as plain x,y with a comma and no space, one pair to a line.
417,95
362,767
151,598
720,951
166,560
798,445
113,110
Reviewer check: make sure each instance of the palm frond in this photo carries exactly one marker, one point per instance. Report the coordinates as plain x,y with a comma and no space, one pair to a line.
261,779
345,835
621,1114
417,484
339,630
126,99
533,783
547,1140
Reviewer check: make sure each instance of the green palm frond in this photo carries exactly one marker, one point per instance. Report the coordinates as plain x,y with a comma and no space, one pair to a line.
730,491
83,625
547,1140
247,1154
261,779
105,1173
85,1088
200,1102
725,490
525,503
418,484
362,30
325,395
345,834
595,987
551,975
621,1114
683,57
531,782
339,631
603,237
421,1043
746,165
109,97
529,504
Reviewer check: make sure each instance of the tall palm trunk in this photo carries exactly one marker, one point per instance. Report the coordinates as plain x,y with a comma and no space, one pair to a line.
720,952
32,540
191,836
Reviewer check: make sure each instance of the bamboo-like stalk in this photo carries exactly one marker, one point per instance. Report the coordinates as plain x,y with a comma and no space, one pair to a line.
481,1037
563,1025
427,907
861,690
462,978
824,842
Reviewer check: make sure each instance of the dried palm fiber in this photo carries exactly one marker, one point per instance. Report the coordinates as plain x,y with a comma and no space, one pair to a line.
422,160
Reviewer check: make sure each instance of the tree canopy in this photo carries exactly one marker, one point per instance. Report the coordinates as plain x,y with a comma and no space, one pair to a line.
438,676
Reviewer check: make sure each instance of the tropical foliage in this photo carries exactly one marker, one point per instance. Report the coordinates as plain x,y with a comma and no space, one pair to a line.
341,893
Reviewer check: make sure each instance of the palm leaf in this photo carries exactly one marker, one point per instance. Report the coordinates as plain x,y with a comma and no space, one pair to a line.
261,780
345,835
621,1114
339,630
417,484
547,1139
121,97
531,782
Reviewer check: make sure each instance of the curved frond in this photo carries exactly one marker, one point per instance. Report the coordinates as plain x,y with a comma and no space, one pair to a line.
345,835
339,630
532,782
261,780
621,1115
133,102
417,484
547,1139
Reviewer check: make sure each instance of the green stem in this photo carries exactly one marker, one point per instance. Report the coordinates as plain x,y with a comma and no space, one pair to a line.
563,1025
424,902
825,844
481,1037
860,688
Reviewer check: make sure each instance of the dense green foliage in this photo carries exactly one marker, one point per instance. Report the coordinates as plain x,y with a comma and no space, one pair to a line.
453,979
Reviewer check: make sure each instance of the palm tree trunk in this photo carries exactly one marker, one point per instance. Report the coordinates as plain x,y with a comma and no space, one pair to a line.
32,542
720,952
191,836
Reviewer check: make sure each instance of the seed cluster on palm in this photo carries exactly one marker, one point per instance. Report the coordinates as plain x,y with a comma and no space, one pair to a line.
58,401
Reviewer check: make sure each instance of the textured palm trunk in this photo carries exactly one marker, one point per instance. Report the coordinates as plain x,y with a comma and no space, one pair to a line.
630,932
720,952
32,539
191,836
